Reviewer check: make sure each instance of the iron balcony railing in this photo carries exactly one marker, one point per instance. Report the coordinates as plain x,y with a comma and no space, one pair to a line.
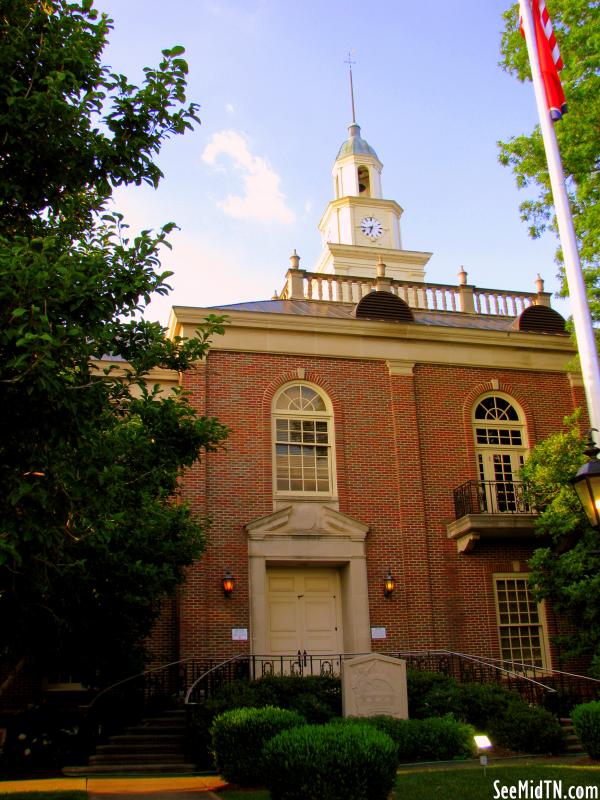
490,497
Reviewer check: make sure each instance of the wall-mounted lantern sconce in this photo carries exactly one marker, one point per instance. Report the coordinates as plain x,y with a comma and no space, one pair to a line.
228,584
389,584
587,484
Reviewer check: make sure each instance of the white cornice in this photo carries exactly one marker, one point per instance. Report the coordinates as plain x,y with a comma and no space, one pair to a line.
371,254
350,338
361,202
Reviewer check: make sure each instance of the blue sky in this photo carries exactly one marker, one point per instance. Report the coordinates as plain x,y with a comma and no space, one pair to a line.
251,182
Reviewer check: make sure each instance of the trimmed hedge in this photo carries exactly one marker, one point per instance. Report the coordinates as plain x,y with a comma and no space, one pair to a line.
586,720
432,694
527,729
502,714
238,738
489,707
317,698
330,762
434,739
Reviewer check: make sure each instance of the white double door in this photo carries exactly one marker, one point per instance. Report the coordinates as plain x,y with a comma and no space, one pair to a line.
499,472
304,611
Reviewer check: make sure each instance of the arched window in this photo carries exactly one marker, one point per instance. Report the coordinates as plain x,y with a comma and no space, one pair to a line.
364,181
302,437
501,447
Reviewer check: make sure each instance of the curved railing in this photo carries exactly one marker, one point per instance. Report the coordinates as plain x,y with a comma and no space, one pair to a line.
192,680
165,679
581,687
532,683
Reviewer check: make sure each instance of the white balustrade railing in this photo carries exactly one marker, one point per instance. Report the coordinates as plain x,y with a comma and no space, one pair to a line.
302,285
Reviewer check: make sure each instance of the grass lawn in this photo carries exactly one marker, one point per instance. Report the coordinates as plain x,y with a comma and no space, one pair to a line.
471,784
466,783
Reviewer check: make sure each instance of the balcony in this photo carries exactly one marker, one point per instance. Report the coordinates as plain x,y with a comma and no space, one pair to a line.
489,510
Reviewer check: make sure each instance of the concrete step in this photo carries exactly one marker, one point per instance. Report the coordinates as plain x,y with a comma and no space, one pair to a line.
573,745
137,758
127,769
140,747
146,738
156,730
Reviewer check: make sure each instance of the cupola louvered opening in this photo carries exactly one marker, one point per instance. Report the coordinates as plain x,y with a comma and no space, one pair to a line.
540,319
385,306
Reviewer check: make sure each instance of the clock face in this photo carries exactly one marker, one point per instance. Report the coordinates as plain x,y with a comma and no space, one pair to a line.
371,227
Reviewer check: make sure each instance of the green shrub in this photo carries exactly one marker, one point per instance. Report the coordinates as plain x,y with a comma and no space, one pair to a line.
238,738
482,702
432,739
44,737
281,691
312,708
431,694
586,719
284,691
527,729
444,738
330,762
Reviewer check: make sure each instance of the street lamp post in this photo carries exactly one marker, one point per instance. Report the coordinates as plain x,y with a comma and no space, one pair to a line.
587,485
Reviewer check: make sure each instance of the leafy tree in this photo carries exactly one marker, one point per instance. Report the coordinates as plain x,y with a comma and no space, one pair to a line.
577,27
92,532
567,570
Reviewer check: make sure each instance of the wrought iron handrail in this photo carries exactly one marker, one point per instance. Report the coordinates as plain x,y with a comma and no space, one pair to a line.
144,674
211,671
458,665
529,668
490,497
193,680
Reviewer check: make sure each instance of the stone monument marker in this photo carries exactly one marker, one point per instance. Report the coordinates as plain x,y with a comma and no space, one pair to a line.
374,684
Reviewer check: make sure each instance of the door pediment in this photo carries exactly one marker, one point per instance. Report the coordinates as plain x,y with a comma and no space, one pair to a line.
307,520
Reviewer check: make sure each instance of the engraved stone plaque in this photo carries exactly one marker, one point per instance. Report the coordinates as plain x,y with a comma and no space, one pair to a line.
374,684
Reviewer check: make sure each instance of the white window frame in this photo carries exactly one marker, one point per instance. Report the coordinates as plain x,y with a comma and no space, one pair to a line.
295,414
541,624
486,454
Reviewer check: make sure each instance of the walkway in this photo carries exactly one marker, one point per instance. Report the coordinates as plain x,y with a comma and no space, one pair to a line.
171,788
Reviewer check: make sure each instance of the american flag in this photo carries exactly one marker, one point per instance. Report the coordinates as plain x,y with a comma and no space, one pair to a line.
549,58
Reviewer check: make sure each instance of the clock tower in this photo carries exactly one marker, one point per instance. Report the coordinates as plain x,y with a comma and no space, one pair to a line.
360,227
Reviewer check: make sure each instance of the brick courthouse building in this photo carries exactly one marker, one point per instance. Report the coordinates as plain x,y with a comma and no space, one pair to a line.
378,424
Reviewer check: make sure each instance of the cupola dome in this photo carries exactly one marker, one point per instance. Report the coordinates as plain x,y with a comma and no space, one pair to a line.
355,145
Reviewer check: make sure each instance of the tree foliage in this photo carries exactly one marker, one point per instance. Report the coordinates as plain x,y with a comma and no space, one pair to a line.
577,27
92,533
567,570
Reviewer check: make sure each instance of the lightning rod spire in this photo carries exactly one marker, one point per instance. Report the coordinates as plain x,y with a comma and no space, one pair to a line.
350,62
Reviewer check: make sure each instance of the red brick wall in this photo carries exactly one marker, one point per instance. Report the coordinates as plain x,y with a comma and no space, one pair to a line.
403,443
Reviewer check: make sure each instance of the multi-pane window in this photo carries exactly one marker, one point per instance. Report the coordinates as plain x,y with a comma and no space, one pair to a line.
499,435
302,439
520,626
497,422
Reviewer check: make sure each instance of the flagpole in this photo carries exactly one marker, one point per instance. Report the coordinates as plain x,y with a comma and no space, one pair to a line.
582,319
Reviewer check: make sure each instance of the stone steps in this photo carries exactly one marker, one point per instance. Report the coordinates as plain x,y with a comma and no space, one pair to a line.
573,743
156,745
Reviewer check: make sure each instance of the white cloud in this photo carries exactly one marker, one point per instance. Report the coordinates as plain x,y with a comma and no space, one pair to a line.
262,200
229,108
